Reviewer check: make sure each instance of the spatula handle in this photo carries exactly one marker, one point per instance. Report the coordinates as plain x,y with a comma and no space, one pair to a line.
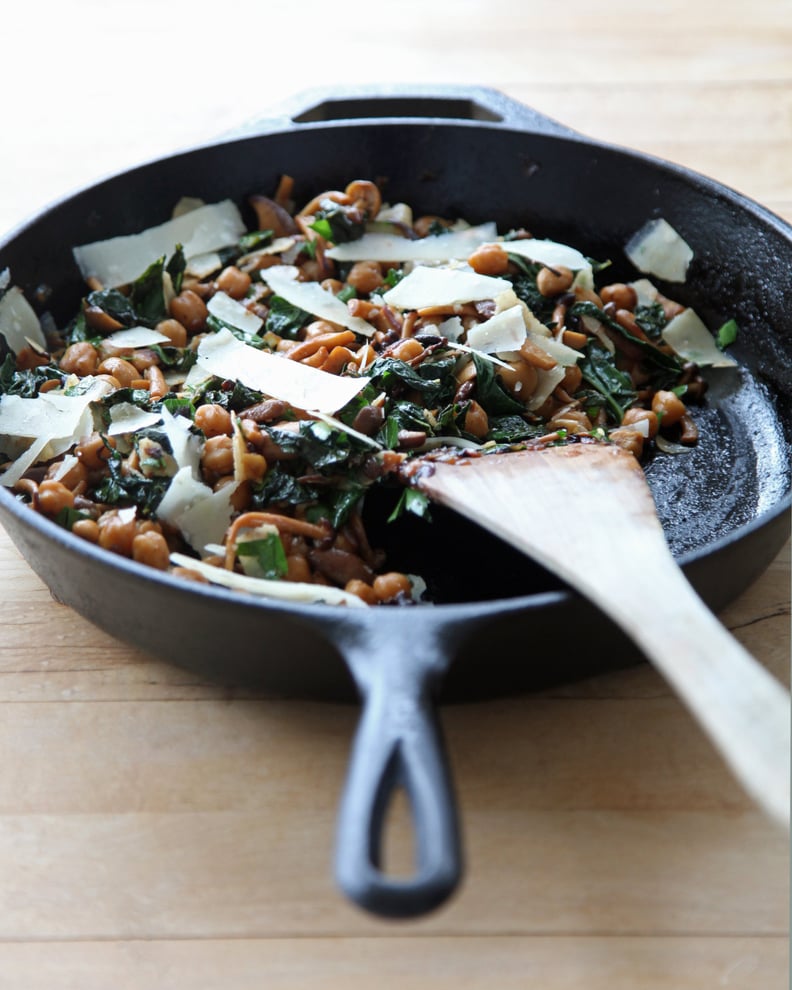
741,706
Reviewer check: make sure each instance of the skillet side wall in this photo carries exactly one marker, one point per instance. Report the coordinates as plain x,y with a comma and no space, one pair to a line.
577,191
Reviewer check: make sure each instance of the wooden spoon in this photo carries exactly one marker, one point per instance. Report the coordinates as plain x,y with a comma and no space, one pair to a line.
585,512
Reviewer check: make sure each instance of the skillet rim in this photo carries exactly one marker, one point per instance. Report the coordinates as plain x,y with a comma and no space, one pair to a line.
554,131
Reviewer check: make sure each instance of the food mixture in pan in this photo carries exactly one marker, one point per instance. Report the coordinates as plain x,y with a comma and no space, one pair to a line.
224,399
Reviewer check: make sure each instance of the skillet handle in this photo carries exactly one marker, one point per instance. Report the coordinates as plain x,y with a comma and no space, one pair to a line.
480,104
398,744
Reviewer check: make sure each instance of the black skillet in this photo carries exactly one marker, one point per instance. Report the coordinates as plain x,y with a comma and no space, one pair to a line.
457,152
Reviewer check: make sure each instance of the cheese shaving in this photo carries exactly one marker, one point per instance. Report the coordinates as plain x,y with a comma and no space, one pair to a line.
291,591
19,323
550,253
657,249
688,335
503,332
120,260
221,354
425,287
454,245
311,297
136,337
229,311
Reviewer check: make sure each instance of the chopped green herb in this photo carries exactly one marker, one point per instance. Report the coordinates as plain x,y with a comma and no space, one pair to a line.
727,334
267,556
411,500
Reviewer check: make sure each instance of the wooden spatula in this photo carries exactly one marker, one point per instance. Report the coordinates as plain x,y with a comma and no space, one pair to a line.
585,512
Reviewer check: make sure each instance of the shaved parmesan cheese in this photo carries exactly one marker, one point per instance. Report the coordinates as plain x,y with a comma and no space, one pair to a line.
300,385
234,313
691,340
136,337
311,297
557,349
120,260
456,346
451,328
657,249
200,514
185,445
125,417
503,332
425,287
203,265
455,244
186,205
15,471
54,422
396,213
645,291
549,253
291,591
545,385
19,323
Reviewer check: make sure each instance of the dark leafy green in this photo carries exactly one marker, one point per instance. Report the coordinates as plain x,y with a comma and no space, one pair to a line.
494,398
123,488
284,319
26,384
600,372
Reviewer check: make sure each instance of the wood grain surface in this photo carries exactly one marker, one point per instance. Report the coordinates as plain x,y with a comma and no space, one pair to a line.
157,831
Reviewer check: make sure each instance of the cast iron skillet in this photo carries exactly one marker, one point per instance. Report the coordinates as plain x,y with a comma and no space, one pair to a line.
725,507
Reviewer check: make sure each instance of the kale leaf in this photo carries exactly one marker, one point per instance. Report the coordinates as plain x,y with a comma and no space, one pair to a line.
600,372
284,319
27,383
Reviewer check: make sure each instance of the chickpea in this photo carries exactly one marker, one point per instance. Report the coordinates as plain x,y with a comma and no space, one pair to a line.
628,439
362,590
408,349
572,380
297,568
489,259
190,310
554,281
476,420
72,478
93,451
86,529
668,407
53,497
123,372
387,586
116,533
174,331
79,359
218,457
365,276
633,416
520,379
622,296
151,548
213,420
233,282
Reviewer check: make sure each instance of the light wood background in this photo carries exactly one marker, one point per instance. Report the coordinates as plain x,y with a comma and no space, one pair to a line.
156,832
